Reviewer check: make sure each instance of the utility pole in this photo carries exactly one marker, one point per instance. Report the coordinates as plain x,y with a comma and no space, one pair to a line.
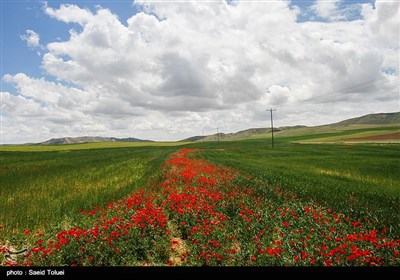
202,133
272,127
218,134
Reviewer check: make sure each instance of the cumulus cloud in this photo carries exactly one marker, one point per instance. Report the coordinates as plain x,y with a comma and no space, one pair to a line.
176,68
327,9
383,23
334,10
31,38
69,13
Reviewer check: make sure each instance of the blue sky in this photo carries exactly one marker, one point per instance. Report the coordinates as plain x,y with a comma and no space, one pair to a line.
128,74
18,16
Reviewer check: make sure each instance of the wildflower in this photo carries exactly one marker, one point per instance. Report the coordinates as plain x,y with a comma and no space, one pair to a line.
285,224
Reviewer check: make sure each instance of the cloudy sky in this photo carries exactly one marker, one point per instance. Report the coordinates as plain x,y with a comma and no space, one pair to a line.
166,70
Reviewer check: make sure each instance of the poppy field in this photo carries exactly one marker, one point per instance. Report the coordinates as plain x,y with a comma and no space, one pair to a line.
229,205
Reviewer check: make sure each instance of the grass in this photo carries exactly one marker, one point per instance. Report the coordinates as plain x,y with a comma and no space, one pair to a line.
344,136
86,146
331,134
357,180
41,188
200,214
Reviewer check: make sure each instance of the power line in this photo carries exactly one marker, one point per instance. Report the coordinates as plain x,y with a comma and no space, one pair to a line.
347,90
359,87
272,127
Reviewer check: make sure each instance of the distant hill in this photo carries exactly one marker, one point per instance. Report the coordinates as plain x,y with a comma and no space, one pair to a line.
370,120
382,118
192,139
243,134
130,139
88,139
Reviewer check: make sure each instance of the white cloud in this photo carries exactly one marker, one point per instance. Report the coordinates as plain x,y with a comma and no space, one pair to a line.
177,68
69,13
383,23
327,9
31,38
335,10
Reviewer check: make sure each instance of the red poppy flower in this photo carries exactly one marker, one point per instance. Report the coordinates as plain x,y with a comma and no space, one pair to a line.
285,224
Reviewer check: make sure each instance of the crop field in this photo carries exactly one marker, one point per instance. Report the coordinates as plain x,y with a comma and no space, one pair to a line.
338,135
224,204
359,180
343,136
87,146
51,186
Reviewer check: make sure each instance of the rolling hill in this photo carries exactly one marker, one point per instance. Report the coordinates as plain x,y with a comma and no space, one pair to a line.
89,139
363,122
381,120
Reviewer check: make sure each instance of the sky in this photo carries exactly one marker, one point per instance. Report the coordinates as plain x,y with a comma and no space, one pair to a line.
167,70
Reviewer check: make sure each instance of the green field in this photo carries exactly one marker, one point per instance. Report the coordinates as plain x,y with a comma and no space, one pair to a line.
329,134
362,181
86,146
42,188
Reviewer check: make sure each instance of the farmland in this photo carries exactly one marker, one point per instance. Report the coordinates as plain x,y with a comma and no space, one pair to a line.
227,203
49,186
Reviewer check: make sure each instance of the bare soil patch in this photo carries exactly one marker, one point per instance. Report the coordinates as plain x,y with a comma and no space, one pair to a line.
384,137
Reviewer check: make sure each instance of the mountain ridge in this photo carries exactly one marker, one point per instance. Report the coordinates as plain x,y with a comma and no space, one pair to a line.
369,119
380,118
88,139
